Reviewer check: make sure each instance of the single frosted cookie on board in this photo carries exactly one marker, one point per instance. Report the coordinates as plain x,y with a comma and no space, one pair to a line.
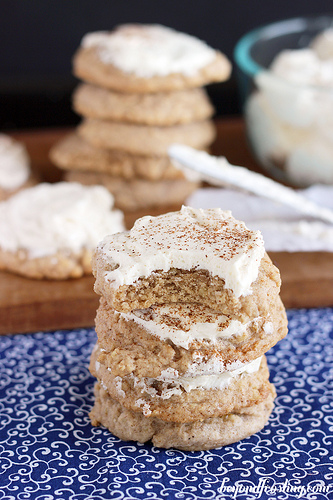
196,395
74,153
51,230
145,139
136,194
183,335
160,109
138,58
15,171
194,255
204,434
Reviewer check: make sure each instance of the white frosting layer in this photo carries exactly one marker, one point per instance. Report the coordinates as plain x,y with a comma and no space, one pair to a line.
201,365
215,381
173,384
51,217
295,112
184,323
14,163
190,239
150,50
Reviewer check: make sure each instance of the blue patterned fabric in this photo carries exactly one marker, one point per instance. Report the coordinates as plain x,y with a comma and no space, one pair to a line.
49,450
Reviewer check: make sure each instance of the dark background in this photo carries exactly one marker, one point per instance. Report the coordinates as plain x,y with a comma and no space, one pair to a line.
39,38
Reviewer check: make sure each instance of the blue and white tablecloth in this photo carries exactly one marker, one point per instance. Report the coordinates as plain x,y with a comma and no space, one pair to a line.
49,450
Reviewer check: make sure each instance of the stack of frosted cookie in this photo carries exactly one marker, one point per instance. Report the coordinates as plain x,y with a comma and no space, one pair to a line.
141,90
189,306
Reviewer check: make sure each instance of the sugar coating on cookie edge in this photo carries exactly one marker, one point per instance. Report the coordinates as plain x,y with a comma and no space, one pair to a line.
150,50
191,239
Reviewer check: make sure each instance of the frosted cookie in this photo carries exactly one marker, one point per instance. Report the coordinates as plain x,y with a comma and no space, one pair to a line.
201,393
144,139
192,256
204,434
15,172
184,336
74,153
136,194
160,109
50,230
138,58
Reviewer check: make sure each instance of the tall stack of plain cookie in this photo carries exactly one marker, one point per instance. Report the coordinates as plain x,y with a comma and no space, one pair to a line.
189,306
141,90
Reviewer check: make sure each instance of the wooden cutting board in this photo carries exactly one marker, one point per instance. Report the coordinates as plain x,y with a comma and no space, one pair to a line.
28,305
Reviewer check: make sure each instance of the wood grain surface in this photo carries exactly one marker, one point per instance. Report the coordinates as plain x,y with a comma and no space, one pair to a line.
28,305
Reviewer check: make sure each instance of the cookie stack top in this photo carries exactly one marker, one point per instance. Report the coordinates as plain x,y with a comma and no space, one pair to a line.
141,92
189,239
159,59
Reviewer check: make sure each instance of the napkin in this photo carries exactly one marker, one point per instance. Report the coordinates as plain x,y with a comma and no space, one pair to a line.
283,229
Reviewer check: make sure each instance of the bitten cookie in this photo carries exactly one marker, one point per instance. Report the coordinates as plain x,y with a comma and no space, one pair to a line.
50,230
157,59
191,256
160,109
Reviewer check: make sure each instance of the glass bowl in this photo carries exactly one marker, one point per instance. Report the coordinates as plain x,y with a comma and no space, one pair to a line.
288,107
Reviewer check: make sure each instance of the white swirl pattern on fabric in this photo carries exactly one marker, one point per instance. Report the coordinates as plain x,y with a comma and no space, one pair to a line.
49,450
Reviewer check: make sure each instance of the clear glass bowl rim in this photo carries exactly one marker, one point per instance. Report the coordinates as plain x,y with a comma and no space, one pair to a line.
242,50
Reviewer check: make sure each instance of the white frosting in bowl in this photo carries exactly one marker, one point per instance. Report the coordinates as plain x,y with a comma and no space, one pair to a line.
293,108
